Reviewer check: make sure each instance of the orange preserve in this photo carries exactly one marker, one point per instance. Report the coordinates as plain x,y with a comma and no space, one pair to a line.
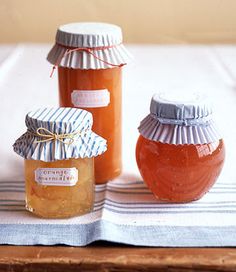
59,149
107,120
89,57
179,153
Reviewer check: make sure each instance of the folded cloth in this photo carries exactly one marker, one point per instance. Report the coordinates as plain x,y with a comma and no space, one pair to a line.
125,212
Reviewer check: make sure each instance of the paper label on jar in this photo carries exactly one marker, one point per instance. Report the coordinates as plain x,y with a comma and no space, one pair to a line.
56,176
90,99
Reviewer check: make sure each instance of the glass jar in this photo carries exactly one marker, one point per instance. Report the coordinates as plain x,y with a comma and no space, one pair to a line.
179,153
65,200
59,149
90,57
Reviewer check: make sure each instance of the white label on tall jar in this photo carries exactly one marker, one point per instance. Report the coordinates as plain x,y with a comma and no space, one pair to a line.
90,99
56,176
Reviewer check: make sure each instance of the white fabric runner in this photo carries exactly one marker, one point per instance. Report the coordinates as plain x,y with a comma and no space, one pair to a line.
125,211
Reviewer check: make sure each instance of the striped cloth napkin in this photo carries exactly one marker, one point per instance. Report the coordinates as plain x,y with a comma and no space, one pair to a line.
125,212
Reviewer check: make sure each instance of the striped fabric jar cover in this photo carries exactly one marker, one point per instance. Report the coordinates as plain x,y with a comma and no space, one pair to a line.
177,120
59,134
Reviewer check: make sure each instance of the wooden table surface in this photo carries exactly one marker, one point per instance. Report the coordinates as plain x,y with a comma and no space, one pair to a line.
109,257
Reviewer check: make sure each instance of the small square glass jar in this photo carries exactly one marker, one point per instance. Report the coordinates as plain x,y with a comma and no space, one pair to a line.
59,149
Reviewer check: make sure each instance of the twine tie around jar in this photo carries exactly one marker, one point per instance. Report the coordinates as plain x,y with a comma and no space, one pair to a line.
88,50
46,136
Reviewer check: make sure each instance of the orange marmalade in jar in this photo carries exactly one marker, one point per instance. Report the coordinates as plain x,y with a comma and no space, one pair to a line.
89,57
179,152
59,148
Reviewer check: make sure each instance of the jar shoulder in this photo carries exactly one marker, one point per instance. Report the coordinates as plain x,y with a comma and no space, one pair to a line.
161,149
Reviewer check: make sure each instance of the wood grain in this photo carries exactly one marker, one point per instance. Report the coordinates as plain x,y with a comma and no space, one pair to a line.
115,258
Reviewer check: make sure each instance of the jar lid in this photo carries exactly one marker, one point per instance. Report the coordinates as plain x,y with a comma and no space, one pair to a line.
180,119
102,39
176,108
59,134
89,34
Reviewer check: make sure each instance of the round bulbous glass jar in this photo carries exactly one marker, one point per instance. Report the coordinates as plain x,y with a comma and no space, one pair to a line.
179,152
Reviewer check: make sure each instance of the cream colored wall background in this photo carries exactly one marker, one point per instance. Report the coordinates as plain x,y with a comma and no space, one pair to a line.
143,21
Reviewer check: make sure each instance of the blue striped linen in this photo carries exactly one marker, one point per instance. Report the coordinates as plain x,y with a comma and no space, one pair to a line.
125,212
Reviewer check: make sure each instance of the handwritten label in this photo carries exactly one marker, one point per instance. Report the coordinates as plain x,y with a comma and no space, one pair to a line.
56,176
90,99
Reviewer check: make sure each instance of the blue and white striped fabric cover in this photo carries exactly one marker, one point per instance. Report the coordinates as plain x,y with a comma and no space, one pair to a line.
60,121
125,212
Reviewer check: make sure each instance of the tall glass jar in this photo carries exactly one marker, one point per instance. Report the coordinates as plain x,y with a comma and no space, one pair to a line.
59,149
179,152
90,57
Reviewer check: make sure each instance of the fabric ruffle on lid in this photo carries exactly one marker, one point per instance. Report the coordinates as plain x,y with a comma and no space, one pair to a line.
174,122
103,40
72,126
